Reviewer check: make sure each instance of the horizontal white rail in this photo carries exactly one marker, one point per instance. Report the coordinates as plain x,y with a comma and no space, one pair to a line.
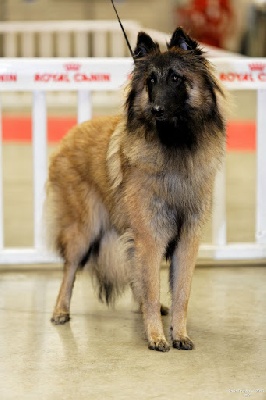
102,74
53,74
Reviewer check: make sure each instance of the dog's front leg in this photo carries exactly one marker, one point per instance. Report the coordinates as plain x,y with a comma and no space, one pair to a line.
181,272
146,288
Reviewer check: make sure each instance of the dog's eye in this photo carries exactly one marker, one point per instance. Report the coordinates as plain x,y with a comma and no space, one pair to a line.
152,79
176,78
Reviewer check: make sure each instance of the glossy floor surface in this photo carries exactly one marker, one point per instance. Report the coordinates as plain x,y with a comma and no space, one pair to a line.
102,354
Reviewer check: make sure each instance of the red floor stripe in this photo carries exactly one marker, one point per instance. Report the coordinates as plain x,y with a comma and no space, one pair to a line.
241,136
18,129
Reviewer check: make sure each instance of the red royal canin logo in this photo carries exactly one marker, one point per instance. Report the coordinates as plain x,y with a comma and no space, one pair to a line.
8,78
72,67
257,67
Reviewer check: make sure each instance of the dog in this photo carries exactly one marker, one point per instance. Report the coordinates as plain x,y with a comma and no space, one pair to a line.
125,191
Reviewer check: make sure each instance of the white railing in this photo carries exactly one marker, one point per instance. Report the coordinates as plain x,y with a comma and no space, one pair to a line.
101,38
66,38
40,76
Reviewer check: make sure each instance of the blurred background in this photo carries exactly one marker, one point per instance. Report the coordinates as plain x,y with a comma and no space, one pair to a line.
237,25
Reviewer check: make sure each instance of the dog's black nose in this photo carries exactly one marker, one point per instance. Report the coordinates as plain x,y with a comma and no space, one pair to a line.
157,111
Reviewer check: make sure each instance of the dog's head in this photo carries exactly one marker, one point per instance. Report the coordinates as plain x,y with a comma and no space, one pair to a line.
171,90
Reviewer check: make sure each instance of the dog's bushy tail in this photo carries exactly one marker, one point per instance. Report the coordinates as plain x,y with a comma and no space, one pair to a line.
111,269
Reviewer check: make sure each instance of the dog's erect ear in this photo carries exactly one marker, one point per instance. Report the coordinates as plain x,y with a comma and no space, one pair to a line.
145,45
182,41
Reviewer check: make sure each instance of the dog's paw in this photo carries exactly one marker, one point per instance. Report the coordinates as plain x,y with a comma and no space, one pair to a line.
60,319
159,345
183,343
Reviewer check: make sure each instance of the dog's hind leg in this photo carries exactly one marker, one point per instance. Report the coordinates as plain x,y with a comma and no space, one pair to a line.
74,246
181,272
61,312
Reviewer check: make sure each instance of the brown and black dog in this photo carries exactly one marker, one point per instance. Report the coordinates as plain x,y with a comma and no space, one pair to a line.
126,191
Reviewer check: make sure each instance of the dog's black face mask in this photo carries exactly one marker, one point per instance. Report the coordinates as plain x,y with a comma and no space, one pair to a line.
171,92
167,93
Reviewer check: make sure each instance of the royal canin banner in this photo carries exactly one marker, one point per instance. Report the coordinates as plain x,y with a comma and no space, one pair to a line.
64,74
242,73
112,73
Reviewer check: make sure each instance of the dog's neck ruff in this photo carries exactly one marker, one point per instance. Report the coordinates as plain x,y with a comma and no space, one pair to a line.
176,134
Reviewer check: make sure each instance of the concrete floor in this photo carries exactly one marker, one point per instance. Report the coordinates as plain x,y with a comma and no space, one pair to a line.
102,354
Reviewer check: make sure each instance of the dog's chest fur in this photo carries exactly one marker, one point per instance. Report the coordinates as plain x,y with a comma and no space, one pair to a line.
175,191
168,184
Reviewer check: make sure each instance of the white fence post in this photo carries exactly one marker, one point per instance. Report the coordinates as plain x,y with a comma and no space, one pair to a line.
81,44
46,44
63,44
100,44
117,45
28,44
10,47
39,142
219,209
84,105
261,167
